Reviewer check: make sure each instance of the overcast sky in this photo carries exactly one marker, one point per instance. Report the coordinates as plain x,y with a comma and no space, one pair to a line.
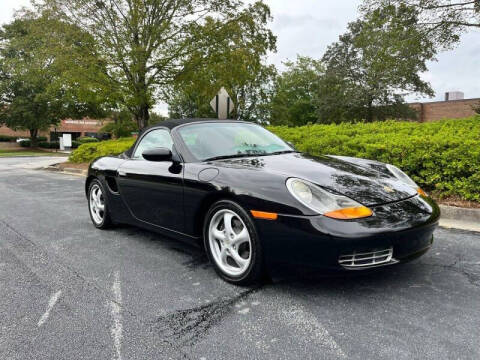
307,27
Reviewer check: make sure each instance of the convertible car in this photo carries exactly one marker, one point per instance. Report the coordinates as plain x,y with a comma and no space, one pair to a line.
255,203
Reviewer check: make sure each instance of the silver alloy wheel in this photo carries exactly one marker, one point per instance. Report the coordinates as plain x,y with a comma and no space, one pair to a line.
230,242
97,204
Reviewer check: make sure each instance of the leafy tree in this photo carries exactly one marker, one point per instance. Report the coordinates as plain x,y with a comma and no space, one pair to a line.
374,65
442,21
145,43
295,93
122,124
35,88
236,62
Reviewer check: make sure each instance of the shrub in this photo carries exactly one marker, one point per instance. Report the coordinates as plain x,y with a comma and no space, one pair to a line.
25,143
87,139
56,144
44,144
120,129
49,145
91,151
6,138
443,156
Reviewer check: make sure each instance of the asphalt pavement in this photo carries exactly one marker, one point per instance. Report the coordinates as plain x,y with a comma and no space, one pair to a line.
70,291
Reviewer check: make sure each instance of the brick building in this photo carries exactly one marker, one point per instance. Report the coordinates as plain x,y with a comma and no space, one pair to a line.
83,127
453,107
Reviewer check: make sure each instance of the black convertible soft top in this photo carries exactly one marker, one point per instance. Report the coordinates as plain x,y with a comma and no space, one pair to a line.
173,123
170,124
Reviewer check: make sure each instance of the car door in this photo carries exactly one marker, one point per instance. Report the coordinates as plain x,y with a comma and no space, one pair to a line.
153,190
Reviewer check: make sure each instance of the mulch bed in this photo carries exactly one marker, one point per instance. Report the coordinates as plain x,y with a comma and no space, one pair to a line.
69,165
459,203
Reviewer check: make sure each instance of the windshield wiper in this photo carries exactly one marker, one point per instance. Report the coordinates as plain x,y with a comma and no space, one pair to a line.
281,152
222,157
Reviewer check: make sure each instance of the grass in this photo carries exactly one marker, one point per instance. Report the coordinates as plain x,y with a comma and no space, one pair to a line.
15,153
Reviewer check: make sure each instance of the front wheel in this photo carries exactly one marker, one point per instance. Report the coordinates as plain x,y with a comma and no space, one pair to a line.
97,205
232,244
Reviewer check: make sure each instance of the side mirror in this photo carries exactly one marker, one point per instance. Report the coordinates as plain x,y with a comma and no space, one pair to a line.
157,154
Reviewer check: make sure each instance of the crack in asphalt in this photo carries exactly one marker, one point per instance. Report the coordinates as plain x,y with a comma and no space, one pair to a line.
187,327
198,257
473,279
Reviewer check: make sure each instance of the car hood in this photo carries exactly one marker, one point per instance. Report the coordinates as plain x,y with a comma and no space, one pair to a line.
367,182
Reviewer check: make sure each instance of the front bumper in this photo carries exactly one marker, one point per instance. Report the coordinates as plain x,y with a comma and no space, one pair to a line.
317,241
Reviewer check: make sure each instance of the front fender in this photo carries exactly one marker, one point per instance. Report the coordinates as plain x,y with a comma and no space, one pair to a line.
101,168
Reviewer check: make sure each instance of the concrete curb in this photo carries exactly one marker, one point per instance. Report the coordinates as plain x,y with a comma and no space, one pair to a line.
465,214
460,218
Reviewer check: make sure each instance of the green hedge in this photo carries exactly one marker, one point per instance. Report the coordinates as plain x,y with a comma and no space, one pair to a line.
49,145
6,138
87,139
28,143
90,151
443,156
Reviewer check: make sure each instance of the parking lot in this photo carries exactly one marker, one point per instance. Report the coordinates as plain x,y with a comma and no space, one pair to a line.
70,291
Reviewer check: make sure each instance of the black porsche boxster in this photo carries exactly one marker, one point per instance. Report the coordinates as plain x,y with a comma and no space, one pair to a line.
253,202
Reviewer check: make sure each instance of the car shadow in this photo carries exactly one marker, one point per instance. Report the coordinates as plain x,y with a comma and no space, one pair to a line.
445,267
398,275
309,277
195,255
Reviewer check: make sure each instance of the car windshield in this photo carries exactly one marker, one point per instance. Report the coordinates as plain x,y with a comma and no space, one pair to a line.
209,141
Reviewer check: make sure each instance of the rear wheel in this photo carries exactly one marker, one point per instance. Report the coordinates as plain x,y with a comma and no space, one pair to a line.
97,205
232,243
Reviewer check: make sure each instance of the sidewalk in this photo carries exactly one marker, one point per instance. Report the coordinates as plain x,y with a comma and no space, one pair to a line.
40,162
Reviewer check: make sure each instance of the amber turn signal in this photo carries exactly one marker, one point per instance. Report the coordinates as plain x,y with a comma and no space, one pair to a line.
350,213
264,215
421,192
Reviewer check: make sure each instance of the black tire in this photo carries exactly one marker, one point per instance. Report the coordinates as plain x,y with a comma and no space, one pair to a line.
255,273
106,222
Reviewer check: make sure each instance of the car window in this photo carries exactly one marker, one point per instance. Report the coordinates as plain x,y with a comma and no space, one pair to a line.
154,139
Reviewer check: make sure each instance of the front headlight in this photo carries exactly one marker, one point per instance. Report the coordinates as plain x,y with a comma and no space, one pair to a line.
400,175
326,203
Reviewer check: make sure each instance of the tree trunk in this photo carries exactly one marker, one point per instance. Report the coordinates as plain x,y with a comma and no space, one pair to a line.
33,137
142,116
370,111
